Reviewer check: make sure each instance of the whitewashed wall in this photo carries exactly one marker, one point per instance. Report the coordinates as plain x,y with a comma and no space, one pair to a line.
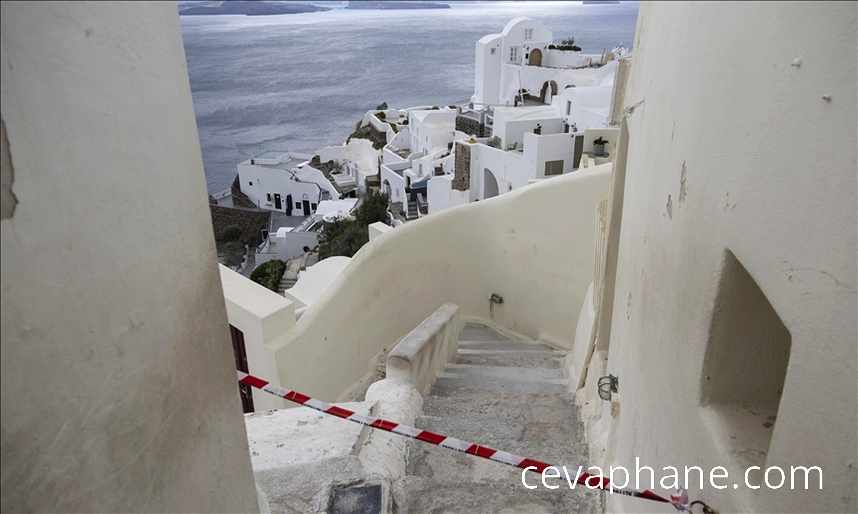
118,380
761,163
474,248
259,181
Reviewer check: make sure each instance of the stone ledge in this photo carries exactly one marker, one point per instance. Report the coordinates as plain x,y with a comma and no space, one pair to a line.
420,356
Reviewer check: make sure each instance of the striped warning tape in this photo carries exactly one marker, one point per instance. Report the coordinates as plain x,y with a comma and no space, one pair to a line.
680,500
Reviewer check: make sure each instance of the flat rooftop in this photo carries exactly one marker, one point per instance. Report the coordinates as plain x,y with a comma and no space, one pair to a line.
276,159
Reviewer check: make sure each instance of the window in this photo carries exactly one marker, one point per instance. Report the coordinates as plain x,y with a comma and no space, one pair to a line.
553,168
513,54
528,34
268,196
492,51
568,107
313,207
249,183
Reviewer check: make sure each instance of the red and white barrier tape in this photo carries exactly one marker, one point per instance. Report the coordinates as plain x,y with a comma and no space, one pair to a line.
679,501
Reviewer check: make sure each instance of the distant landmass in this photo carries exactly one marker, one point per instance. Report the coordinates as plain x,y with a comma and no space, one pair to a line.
381,4
249,8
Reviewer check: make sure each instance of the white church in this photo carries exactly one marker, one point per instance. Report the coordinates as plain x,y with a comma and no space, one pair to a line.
523,62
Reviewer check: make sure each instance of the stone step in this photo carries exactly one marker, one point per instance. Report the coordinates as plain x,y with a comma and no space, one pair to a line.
520,358
510,395
449,385
508,373
501,345
474,332
497,497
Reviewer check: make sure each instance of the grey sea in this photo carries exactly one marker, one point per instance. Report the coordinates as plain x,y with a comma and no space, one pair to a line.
301,81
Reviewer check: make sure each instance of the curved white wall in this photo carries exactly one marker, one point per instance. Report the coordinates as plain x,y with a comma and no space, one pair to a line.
119,391
533,246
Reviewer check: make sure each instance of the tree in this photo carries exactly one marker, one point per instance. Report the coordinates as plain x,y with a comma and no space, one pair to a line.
372,209
345,236
231,233
269,274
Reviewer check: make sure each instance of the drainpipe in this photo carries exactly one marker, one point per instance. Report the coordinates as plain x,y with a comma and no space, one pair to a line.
296,179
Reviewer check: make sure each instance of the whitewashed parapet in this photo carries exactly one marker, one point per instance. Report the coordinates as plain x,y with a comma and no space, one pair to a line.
421,355
378,228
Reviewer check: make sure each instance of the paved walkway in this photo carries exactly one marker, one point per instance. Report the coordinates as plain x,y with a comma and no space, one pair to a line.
510,395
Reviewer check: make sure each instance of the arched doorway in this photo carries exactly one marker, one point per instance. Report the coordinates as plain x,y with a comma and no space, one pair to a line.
535,58
490,184
385,188
549,90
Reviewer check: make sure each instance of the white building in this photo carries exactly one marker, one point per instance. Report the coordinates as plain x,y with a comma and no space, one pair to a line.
357,160
285,243
417,153
524,63
545,107
284,182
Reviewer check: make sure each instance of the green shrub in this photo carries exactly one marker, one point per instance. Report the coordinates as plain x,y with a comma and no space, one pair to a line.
494,142
231,233
233,253
372,209
380,115
346,236
269,274
381,107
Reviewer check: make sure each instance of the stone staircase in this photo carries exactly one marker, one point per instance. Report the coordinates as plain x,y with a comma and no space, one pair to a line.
286,282
412,209
510,395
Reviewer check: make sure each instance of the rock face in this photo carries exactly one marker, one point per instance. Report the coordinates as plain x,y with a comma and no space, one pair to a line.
511,396
301,456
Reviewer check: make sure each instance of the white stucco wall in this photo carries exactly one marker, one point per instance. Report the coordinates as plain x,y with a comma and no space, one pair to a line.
510,123
118,382
487,67
590,105
565,58
441,195
510,169
514,35
303,183
761,163
538,149
431,129
313,281
396,182
549,226
357,150
261,315
377,229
